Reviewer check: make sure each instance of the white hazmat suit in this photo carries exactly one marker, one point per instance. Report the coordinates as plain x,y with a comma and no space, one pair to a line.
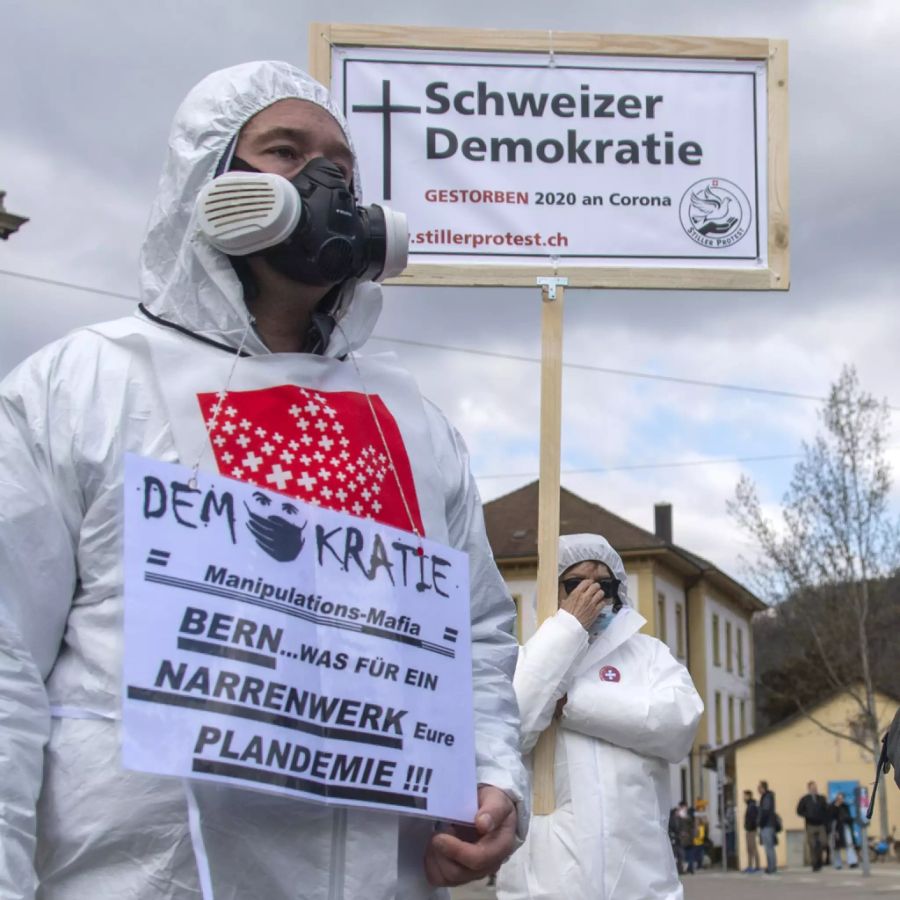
73,824
631,710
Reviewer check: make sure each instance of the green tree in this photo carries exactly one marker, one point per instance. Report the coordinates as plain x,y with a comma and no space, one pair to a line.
836,542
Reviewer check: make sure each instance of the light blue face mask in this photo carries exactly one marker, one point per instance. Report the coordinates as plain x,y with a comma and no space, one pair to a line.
603,621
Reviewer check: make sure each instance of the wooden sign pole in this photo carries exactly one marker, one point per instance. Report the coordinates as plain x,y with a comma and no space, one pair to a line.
552,292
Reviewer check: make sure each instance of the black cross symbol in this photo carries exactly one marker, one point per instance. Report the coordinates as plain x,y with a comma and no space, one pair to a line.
386,109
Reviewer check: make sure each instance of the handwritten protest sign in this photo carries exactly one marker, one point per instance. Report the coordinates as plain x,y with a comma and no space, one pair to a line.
276,645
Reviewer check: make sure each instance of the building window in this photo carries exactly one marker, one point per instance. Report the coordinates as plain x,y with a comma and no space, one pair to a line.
742,712
661,617
728,664
718,718
679,630
731,734
740,651
717,659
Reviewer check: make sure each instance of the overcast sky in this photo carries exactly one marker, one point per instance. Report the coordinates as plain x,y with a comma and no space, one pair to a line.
89,90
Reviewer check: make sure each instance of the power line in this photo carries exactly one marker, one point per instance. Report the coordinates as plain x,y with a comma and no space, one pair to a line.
608,371
627,373
68,284
663,465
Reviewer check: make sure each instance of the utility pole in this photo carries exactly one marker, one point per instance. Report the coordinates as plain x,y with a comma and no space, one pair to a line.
9,222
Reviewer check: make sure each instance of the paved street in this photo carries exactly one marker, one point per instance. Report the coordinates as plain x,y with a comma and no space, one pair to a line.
794,885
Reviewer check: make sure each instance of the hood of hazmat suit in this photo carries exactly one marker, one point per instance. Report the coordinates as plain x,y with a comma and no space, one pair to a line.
630,711
73,823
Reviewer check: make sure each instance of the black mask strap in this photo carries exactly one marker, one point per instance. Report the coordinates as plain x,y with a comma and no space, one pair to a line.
321,323
224,163
240,165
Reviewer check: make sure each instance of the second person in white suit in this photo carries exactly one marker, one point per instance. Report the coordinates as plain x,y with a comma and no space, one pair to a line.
626,708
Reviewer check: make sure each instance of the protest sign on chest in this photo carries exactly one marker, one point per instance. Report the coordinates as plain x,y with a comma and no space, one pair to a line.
279,645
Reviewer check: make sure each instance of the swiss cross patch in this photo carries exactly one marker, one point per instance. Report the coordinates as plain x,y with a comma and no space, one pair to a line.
321,447
610,673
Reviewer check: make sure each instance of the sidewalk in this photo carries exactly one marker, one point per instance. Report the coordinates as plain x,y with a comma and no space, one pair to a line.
795,884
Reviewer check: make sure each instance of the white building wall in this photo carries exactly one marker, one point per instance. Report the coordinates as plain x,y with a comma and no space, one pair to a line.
524,592
672,598
667,597
729,684
632,583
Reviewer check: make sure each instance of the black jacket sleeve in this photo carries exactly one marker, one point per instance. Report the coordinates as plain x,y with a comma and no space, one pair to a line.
751,818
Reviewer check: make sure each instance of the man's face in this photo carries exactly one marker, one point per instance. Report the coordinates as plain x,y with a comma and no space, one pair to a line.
811,787
747,796
284,137
588,569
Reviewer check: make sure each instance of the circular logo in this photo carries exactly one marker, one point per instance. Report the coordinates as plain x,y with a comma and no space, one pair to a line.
610,673
715,213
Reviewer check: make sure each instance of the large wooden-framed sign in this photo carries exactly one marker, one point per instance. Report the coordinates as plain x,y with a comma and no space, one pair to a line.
615,161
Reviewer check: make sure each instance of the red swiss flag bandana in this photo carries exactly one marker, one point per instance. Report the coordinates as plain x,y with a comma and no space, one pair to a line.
321,447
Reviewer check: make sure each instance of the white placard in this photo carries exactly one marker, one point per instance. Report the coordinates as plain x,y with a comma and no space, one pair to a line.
510,158
276,645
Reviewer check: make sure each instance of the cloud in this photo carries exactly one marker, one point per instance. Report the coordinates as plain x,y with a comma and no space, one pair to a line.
83,144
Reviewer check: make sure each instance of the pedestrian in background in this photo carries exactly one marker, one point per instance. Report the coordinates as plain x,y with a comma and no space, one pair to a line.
700,832
841,833
730,836
751,824
813,808
684,827
673,837
767,821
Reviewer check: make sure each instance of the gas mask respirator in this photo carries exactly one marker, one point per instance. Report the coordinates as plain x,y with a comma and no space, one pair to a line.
309,229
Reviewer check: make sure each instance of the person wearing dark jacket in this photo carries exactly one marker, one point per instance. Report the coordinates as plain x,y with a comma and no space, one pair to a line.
892,749
751,823
813,807
767,822
684,827
840,825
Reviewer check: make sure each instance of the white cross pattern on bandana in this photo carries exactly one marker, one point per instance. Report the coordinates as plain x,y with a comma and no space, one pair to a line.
321,447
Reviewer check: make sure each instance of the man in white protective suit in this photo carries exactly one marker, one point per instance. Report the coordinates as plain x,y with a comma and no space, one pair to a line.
274,326
626,709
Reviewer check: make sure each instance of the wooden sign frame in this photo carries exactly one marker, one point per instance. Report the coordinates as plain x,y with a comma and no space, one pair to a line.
776,276
553,276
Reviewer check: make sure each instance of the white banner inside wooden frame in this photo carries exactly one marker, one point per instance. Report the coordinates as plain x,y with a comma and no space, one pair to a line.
553,159
615,161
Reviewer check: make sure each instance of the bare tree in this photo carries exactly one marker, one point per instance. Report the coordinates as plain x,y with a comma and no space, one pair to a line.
837,539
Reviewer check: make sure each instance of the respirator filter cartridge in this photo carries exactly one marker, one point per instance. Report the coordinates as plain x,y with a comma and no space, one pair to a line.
245,212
